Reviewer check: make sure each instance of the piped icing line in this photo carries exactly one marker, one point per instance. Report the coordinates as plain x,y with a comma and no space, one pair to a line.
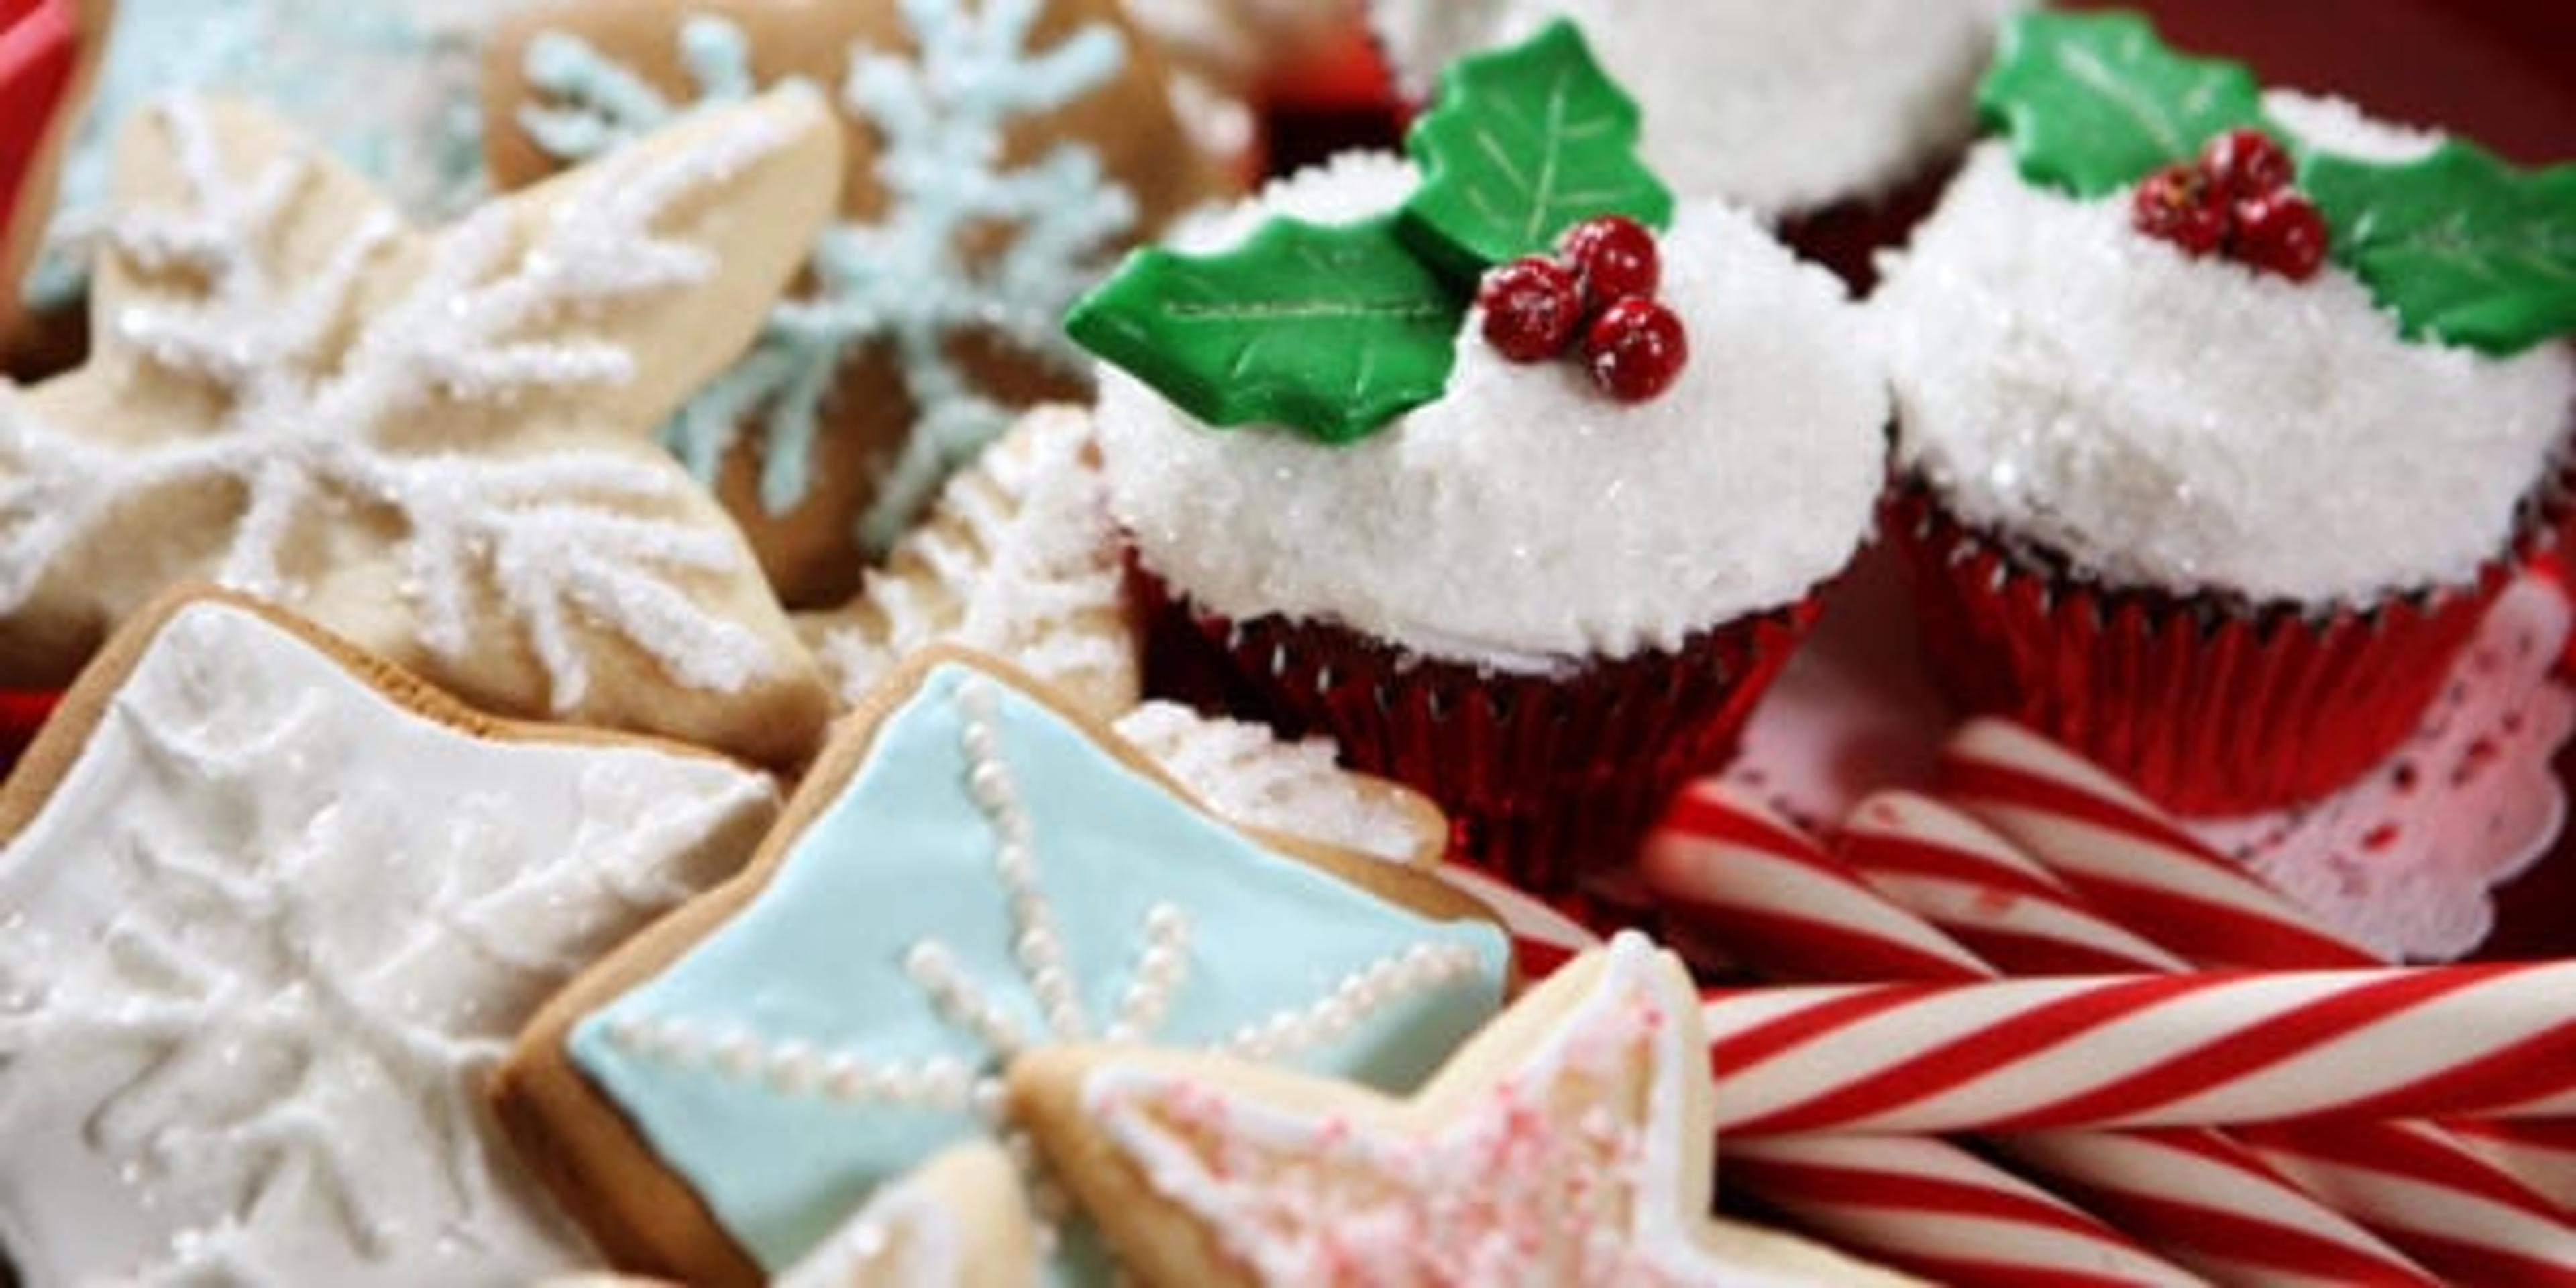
247,1047
910,281
1029,854
1550,1162
324,366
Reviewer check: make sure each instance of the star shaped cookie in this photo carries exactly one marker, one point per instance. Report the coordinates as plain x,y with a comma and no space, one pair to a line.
275,909
959,1221
1001,156
1568,1143
438,445
970,873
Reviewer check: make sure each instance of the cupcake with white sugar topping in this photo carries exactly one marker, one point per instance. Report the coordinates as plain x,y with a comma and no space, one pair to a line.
1838,122
1522,505
2223,414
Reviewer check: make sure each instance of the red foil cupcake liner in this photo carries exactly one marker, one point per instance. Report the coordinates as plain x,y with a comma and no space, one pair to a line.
2211,707
1546,777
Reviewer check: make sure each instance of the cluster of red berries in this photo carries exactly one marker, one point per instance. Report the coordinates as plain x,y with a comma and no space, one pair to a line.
2237,199
1599,285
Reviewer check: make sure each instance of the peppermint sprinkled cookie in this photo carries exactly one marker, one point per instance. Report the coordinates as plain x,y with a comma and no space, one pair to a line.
969,874
1569,1143
436,444
1001,155
275,908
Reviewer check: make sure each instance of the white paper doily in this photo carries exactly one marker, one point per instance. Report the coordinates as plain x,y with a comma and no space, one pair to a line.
2404,860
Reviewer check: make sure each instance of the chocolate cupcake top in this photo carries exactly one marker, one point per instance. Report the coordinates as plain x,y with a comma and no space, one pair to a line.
2140,355
1786,108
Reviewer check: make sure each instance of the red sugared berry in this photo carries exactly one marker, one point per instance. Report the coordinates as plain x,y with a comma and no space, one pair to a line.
1634,349
2246,163
1614,257
1532,307
2179,204
2282,233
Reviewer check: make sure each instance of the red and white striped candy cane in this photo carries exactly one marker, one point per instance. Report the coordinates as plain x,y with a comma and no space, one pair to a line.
1954,872
2469,1213
2180,1050
2119,850
1929,1207
1926,1204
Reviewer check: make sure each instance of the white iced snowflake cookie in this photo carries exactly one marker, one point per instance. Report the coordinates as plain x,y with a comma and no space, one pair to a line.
1786,108
274,912
2190,425
1523,517
437,444
1017,560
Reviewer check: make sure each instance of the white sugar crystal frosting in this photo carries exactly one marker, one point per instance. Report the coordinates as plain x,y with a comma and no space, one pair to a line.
1524,518
1784,105
2191,425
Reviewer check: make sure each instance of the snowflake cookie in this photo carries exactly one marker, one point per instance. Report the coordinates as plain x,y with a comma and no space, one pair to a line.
274,910
1002,154
970,873
1019,561
438,445
387,85
48,56
1568,1143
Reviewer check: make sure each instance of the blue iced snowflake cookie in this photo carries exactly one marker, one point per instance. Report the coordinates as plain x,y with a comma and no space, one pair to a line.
969,875
1004,155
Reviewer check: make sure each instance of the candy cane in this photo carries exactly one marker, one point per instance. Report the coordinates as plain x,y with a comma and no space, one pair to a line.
1925,1204
2211,1049
1945,867
2422,1186
2117,849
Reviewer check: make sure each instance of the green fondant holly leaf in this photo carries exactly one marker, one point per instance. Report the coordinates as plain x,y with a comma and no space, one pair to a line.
2093,102
2464,247
1332,330
1522,143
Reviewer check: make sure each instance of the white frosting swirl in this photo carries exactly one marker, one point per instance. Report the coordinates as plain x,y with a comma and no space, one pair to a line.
1786,107
1525,518
2193,425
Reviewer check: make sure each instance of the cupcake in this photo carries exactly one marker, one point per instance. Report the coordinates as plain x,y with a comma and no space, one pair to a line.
2222,414
1838,121
1539,595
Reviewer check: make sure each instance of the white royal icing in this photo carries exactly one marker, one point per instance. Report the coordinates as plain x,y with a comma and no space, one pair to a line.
1784,107
2192,425
264,941
1249,776
320,380
1525,518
